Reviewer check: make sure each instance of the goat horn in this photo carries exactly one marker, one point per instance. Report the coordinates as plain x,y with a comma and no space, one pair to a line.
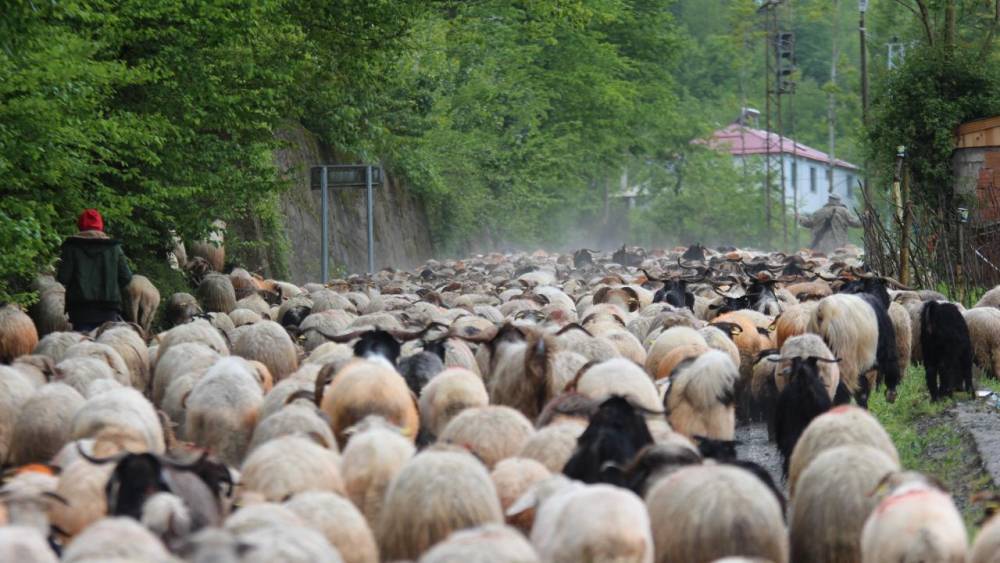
188,466
97,460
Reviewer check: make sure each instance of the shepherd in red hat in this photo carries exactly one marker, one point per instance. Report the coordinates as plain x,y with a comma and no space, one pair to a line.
94,271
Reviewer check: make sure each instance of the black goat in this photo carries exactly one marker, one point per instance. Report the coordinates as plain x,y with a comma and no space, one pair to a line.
616,433
294,316
694,253
139,476
947,349
803,398
674,292
583,258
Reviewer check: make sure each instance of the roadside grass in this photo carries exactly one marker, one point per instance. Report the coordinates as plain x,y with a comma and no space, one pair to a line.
930,440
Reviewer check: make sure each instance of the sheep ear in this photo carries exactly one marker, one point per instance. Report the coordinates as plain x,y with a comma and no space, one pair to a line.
882,487
527,501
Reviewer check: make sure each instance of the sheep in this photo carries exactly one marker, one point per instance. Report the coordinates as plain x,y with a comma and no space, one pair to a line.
433,495
142,300
293,419
447,395
617,431
513,477
255,304
222,409
82,484
339,521
840,426
82,373
984,333
261,514
491,543
180,309
121,410
49,313
618,377
167,517
38,369
287,392
212,248
362,388
947,349
679,356
216,294
793,321
917,521
702,513
113,538
291,464
15,391
903,329
553,445
668,340
492,433
42,426
177,360
701,400
719,339
242,317
832,501
55,344
987,545
21,543
518,368
290,545
268,343
850,329
132,349
18,335
989,299
199,331
593,523
372,458
331,353
106,354
27,498
627,345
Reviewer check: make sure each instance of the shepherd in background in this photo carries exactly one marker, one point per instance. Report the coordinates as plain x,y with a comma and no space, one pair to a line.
829,225
94,271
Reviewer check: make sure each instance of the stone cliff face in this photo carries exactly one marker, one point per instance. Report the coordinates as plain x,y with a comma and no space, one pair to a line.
402,235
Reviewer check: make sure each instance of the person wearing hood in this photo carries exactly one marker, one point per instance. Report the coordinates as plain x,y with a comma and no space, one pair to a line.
829,225
94,271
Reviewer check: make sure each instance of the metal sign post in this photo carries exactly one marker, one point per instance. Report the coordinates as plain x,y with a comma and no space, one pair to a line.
324,176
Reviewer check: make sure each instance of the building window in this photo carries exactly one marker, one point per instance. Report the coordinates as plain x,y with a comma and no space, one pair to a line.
829,180
795,176
812,179
850,186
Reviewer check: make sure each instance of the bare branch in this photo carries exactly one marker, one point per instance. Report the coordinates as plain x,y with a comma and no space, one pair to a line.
925,19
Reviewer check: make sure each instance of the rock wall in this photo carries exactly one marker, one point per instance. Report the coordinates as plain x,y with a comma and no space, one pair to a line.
402,236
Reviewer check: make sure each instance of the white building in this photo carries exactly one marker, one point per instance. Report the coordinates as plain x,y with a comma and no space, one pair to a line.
807,170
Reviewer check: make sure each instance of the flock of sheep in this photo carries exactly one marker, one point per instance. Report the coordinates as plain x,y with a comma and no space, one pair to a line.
504,408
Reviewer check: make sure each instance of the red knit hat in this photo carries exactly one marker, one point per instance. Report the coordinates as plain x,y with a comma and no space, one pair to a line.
90,220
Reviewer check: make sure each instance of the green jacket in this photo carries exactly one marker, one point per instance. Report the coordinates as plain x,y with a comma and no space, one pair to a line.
94,271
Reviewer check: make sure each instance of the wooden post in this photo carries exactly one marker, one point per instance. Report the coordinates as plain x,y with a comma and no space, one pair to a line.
904,237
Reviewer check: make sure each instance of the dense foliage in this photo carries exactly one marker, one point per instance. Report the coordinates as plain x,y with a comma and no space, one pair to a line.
516,122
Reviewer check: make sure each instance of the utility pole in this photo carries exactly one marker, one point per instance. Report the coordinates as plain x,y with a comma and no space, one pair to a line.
863,34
